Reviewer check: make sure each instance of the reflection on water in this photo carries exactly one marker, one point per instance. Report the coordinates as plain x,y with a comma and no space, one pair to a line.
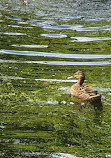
66,10
13,33
41,44
108,156
39,79
30,46
94,29
75,27
56,155
88,39
54,35
57,55
58,62
17,26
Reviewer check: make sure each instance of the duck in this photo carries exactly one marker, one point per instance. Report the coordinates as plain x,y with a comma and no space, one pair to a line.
86,95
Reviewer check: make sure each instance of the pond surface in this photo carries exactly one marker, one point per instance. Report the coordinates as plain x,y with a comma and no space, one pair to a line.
42,43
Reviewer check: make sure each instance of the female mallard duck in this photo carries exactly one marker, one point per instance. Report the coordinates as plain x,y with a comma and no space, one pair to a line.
85,94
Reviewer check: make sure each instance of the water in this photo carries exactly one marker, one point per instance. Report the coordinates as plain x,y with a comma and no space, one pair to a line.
42,43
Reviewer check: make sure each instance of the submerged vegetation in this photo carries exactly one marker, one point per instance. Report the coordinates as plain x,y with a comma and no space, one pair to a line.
36,116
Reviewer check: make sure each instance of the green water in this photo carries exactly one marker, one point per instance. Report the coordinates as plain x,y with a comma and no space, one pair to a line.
38,53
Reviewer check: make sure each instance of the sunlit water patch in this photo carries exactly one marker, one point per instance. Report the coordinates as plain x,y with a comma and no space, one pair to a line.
1,21
106,28
104,89
50,102
54,35
61,27
77,27
15,26
108,156
59,62
65,10
54,155
89,39
56,55
42,23
39,79
22,22
30,46
22,27
17,18
13,33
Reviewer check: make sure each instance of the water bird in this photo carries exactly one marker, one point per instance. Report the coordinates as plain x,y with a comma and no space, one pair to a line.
84,96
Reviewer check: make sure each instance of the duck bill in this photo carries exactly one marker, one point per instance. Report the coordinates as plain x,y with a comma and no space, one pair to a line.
71,77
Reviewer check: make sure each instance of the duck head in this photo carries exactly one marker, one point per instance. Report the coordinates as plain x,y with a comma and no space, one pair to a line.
80,76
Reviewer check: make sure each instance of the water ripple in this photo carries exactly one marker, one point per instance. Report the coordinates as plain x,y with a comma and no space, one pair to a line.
106,28
72,27
63,27
15,26
54,35
30,46
54,155
13,33
89,39
59,62
56,55
38,79
1,20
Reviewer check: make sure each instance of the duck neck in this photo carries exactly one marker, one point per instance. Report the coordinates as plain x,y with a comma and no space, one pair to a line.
81,81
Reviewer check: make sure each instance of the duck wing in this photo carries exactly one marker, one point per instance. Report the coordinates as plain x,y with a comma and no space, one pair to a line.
89,90
87,93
